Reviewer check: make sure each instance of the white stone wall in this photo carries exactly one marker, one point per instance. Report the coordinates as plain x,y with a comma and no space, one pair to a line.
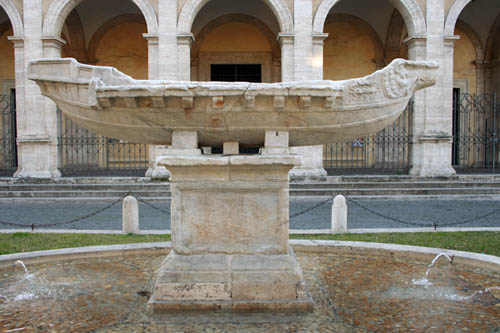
299,30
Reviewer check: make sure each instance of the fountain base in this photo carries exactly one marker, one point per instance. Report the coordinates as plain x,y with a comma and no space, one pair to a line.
231,282
230,236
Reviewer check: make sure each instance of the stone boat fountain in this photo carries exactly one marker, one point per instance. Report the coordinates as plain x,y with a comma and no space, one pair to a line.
229,212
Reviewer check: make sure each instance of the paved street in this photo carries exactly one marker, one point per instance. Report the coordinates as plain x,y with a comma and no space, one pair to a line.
416,212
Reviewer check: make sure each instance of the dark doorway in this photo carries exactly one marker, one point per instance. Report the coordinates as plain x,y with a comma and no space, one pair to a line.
236,72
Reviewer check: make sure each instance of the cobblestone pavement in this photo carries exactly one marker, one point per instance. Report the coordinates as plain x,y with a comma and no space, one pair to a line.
40,212
110,295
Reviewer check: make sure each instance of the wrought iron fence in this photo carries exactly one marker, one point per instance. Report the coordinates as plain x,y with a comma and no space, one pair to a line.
475,133
8,149
386,152
85,153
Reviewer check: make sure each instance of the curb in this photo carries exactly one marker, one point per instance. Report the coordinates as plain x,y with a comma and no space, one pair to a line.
112,250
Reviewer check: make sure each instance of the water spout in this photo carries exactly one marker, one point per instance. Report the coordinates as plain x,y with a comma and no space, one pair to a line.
435,260
20,263
425,280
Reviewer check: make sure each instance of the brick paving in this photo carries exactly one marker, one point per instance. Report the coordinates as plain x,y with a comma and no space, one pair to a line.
358,291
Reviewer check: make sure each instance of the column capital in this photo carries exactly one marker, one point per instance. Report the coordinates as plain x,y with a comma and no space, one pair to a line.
319,38
16,40
53,42
185,39
485,63
285,39
449,41
415,40
151,38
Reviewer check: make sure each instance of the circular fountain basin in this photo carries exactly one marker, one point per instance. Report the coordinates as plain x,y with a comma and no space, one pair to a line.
355,286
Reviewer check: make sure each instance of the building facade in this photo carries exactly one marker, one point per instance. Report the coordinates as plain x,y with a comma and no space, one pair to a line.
261,41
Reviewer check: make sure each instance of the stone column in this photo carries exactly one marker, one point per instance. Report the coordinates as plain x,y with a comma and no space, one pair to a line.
432,137
306,68
184,42
153,62
481,69
37,135
286,42
164,47
312,156
317,54
303,44
154,74
167,47
20,80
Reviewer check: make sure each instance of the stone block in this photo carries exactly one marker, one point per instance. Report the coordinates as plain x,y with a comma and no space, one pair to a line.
185,139
193,291
264,285
228,220
276,139
230,148
204,262
242,262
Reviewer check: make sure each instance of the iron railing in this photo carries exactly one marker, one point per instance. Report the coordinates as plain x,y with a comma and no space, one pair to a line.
85,153
386,152
475,133
8,149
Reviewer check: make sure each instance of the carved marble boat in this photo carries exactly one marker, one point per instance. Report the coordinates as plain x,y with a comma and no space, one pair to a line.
115,105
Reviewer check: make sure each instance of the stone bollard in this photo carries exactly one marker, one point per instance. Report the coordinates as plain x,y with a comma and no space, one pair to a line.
339,215
130,215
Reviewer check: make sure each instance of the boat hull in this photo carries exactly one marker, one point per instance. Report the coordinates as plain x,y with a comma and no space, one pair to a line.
313,112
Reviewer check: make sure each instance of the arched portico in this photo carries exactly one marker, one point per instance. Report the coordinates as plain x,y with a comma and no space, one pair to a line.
14,17
492,40
192,7
453,14
60,9
409,9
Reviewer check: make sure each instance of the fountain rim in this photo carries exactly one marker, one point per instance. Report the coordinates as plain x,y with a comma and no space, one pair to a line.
395,250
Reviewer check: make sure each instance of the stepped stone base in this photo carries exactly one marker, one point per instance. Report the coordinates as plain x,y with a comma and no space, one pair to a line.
237,282
230,236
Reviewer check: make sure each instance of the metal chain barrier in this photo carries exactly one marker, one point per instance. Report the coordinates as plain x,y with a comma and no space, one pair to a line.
311,208
74,220
433,224
152,206
415,224
302,212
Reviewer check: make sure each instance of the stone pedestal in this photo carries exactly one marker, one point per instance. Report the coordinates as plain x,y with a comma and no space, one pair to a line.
311,168
432,156
230,236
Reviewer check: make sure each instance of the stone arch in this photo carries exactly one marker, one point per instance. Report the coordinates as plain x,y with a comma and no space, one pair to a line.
474,38
14,17
364,27
96,37
276,50
75,41
192,7
453,14
490,44
393,38
60,9
409,9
